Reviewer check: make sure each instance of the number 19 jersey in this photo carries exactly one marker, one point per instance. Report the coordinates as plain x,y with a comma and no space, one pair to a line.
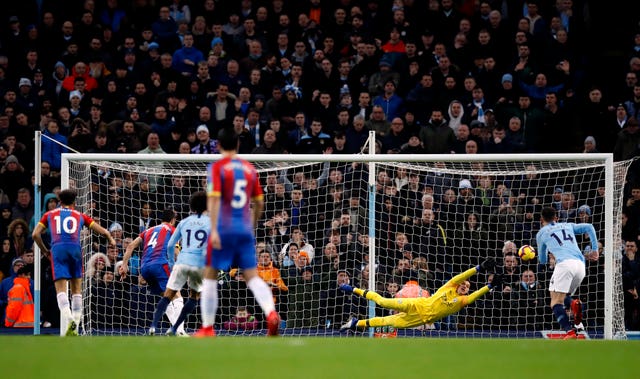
236,182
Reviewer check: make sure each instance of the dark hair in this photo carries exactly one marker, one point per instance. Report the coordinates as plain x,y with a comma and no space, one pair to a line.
167,215
548,214
67,197
228,139
198,202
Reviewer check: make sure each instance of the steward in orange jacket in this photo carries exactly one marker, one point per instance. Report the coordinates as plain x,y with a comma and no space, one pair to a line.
20,310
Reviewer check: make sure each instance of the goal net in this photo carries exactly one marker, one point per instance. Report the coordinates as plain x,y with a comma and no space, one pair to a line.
372,220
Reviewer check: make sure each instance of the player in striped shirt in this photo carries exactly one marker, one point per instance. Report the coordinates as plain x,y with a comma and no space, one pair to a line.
64,225
193,234
232,185
157,260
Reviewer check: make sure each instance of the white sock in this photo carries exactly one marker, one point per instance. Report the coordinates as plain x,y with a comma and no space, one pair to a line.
178,304
262,293
76,307
209,301
63,305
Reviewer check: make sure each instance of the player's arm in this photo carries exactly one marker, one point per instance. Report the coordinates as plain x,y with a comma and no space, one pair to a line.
172,247
477,294
542,249
213,206
37,237
258,208
460,278
100,230
590,230
127,254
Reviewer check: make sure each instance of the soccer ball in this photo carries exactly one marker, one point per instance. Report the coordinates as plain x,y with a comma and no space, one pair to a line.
526,252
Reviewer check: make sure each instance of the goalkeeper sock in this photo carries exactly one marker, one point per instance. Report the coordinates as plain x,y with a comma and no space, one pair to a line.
262,293
63,305
178,305
186,311
76,307
567,302
161,308
209,302
561,317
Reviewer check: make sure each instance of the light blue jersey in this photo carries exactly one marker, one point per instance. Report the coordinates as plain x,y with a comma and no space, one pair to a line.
193,233
559,238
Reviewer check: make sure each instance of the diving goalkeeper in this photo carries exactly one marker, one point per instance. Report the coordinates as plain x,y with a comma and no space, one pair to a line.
449,299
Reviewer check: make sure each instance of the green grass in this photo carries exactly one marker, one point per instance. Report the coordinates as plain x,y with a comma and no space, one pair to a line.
306,358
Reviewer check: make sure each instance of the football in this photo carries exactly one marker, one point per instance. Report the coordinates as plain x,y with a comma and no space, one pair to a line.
526,252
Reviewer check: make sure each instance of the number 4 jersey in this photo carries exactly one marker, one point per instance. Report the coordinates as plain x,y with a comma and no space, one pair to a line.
235,181
64,225
155,248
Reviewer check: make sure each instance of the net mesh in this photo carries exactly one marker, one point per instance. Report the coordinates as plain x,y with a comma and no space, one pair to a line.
432,220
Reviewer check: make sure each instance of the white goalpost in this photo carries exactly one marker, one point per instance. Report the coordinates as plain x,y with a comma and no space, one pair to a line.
374,220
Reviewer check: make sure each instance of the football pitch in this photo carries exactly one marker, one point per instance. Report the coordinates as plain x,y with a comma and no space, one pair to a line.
304,358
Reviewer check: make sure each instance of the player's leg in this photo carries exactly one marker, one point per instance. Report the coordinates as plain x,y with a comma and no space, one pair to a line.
559,287
161,308
76,285
194,279
208,302
61,275
76,299
401,305
63,298
576,305
399,320
189,306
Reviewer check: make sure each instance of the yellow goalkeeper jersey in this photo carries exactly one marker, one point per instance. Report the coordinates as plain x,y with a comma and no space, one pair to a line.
446,300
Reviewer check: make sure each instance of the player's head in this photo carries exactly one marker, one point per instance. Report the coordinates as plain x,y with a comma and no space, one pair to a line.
168,215
463,288
198,202
67,197
228,139
548,214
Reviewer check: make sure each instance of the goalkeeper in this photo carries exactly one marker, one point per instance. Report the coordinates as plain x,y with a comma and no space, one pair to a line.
449,299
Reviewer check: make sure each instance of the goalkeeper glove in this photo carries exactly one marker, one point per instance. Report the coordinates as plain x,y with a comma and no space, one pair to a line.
486,265
496,282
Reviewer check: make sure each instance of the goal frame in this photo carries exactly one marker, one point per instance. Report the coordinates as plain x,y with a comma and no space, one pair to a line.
372,158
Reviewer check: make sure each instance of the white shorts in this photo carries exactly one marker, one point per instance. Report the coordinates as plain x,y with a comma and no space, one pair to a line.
182,274
567,276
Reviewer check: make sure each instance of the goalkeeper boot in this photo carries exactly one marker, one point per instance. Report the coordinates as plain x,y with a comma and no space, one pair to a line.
72,329
349,325
273,324
576,309
346,288
151,331
205,331
170,332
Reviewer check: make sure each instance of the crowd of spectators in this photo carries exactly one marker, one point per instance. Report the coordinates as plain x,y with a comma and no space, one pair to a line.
314,76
